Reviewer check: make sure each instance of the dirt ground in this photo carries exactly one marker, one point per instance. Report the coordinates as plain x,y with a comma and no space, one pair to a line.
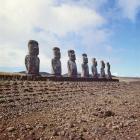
48,110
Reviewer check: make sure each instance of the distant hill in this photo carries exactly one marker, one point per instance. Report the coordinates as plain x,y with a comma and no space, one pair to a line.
129,79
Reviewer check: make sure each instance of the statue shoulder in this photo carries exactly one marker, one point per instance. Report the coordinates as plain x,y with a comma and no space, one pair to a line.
96,63
27,56
52,60
82,65
68,61
38,59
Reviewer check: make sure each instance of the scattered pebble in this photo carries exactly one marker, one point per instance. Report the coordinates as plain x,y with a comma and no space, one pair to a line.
11,129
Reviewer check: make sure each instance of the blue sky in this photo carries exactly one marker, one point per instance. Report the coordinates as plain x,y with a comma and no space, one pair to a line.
106,29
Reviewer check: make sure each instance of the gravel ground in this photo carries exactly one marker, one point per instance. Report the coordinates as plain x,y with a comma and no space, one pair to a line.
45,110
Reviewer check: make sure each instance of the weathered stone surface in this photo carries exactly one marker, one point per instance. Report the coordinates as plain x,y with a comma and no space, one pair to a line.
56,63
109,76
85,68
102,71
71,64
32,60
94,68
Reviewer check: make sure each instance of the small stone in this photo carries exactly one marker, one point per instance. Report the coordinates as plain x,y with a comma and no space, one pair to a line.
109,125
116,127
92,119
45,125
62,133
10,129
109,113
39,126
129,122
84,118
132,116
100,130
103,124
70,125
19,113
55,133
113,138
84,130
98,108
32,133
28,127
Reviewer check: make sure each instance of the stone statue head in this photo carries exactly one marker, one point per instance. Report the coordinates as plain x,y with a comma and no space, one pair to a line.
102,64
108,65
71,54
93,60
33,47
85,59
56,52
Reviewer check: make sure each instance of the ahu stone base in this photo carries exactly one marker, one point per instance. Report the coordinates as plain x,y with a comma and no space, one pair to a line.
53,78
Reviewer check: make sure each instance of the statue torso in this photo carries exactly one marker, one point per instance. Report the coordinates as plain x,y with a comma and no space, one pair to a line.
85,70
32,64
72,68
56,66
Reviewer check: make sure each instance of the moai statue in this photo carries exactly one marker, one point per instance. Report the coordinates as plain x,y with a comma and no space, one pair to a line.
102,73
94,68
32,60
71,64
85,68
109,76
56,63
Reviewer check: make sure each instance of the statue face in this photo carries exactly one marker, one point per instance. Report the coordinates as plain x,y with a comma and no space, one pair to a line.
108,64
57,54
94,61
33,48
103,64
72,56
85,59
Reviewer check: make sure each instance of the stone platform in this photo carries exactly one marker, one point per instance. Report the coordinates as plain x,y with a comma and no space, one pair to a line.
52,78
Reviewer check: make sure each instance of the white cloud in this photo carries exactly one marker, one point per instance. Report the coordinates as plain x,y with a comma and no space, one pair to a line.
109,48
73,18
11,55
93,38
129,8
23,16
96,4
19,19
